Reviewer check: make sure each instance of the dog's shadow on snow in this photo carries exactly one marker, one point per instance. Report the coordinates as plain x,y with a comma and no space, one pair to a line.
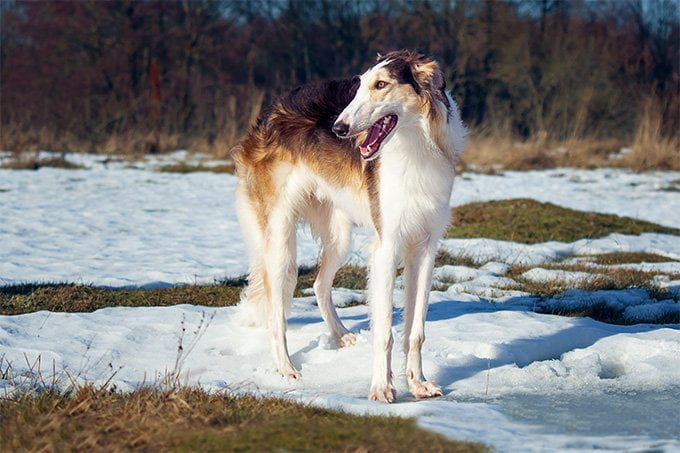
581,333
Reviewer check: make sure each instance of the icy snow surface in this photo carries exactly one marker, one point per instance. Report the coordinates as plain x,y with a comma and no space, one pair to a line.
513,379
501,367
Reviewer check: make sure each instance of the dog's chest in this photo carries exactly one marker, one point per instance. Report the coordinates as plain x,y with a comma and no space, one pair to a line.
415,193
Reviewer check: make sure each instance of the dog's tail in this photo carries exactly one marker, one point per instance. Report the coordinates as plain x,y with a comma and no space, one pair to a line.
253,309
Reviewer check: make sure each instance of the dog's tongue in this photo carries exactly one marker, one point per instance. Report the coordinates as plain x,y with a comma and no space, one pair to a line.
372,141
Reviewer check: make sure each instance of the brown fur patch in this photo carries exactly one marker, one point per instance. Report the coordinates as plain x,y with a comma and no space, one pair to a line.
372,185
297,130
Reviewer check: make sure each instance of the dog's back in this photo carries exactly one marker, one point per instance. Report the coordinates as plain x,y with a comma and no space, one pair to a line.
293,133
298,123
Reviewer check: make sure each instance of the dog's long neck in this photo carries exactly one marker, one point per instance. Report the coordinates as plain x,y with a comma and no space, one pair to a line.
415,178
419,143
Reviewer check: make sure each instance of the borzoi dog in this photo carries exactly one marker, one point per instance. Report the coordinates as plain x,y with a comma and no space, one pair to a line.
378,150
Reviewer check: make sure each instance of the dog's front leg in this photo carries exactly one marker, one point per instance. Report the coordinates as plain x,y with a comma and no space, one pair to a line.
381,285
418,281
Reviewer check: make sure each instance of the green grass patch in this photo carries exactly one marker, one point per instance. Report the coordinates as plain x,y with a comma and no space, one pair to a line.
83,298
24,163
183,167
602,279
194,420
444,258
530,222
629,257
350,277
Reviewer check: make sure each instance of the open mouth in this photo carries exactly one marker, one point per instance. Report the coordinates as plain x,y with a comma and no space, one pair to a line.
376,135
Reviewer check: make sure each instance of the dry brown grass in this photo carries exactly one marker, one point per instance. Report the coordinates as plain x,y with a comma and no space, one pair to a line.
21,139
350,277
184,167
192,420
81,298
629,257
605,278
490,154
30,161
649,149
529,221
131,143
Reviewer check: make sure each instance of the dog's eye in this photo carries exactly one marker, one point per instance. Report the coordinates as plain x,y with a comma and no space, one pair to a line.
380,84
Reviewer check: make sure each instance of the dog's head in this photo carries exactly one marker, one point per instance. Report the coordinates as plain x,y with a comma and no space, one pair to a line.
401,86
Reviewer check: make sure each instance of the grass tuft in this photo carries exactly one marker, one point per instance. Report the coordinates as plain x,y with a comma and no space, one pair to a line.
194,420
529,221
350,277
491,154
629,257
69,297
34,163
444,258
603,279
183,167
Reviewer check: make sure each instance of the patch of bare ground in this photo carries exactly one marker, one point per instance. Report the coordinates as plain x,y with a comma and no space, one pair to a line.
628,258
184,167
603,278
83,298
529,221
187,419
349,276
32,162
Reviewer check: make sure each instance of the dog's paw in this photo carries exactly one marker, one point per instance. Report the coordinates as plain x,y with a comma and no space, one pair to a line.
347,340
424,389
385,394
290,373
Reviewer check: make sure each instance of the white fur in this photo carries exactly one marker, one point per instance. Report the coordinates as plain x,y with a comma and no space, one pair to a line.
415,183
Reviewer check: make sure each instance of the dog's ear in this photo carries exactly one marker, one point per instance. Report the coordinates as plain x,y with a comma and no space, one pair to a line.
429,75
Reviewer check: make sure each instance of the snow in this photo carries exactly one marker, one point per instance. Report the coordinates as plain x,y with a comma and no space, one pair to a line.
181,228
482,249
672,267
512,378
540,275
483,355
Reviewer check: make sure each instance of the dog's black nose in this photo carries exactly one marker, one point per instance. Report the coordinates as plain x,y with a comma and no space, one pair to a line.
341,129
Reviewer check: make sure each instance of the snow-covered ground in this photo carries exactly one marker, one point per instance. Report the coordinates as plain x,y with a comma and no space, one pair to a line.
120,223
514,379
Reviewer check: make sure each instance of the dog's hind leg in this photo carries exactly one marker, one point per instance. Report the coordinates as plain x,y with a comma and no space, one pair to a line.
282,275
418,281
334,229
